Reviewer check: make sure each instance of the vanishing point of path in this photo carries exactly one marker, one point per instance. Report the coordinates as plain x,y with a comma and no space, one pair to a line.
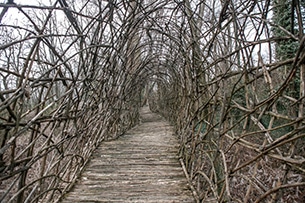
140,166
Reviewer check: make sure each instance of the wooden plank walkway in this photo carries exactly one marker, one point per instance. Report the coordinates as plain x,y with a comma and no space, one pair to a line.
140,166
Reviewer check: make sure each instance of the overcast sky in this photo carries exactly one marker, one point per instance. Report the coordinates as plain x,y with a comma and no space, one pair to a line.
14,16
29,2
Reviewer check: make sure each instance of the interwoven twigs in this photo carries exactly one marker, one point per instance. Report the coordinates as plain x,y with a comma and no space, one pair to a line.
65,101
245,98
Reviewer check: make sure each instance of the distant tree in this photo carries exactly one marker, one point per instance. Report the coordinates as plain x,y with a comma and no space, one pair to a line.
283,17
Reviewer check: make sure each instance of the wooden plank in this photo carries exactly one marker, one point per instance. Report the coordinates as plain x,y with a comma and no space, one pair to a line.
140,166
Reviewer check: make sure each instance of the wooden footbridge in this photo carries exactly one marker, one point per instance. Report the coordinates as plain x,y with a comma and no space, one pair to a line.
140,166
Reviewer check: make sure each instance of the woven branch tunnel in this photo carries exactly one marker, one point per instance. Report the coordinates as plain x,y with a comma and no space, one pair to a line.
74,74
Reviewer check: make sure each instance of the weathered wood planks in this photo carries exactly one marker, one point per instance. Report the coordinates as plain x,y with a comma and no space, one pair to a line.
140,166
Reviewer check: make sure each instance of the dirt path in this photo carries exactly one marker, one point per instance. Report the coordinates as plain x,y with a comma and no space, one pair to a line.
140,166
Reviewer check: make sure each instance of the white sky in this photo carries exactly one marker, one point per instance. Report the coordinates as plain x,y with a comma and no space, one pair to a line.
13,14
28,2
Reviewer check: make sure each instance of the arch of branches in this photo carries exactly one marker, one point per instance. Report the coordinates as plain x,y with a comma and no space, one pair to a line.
73,74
